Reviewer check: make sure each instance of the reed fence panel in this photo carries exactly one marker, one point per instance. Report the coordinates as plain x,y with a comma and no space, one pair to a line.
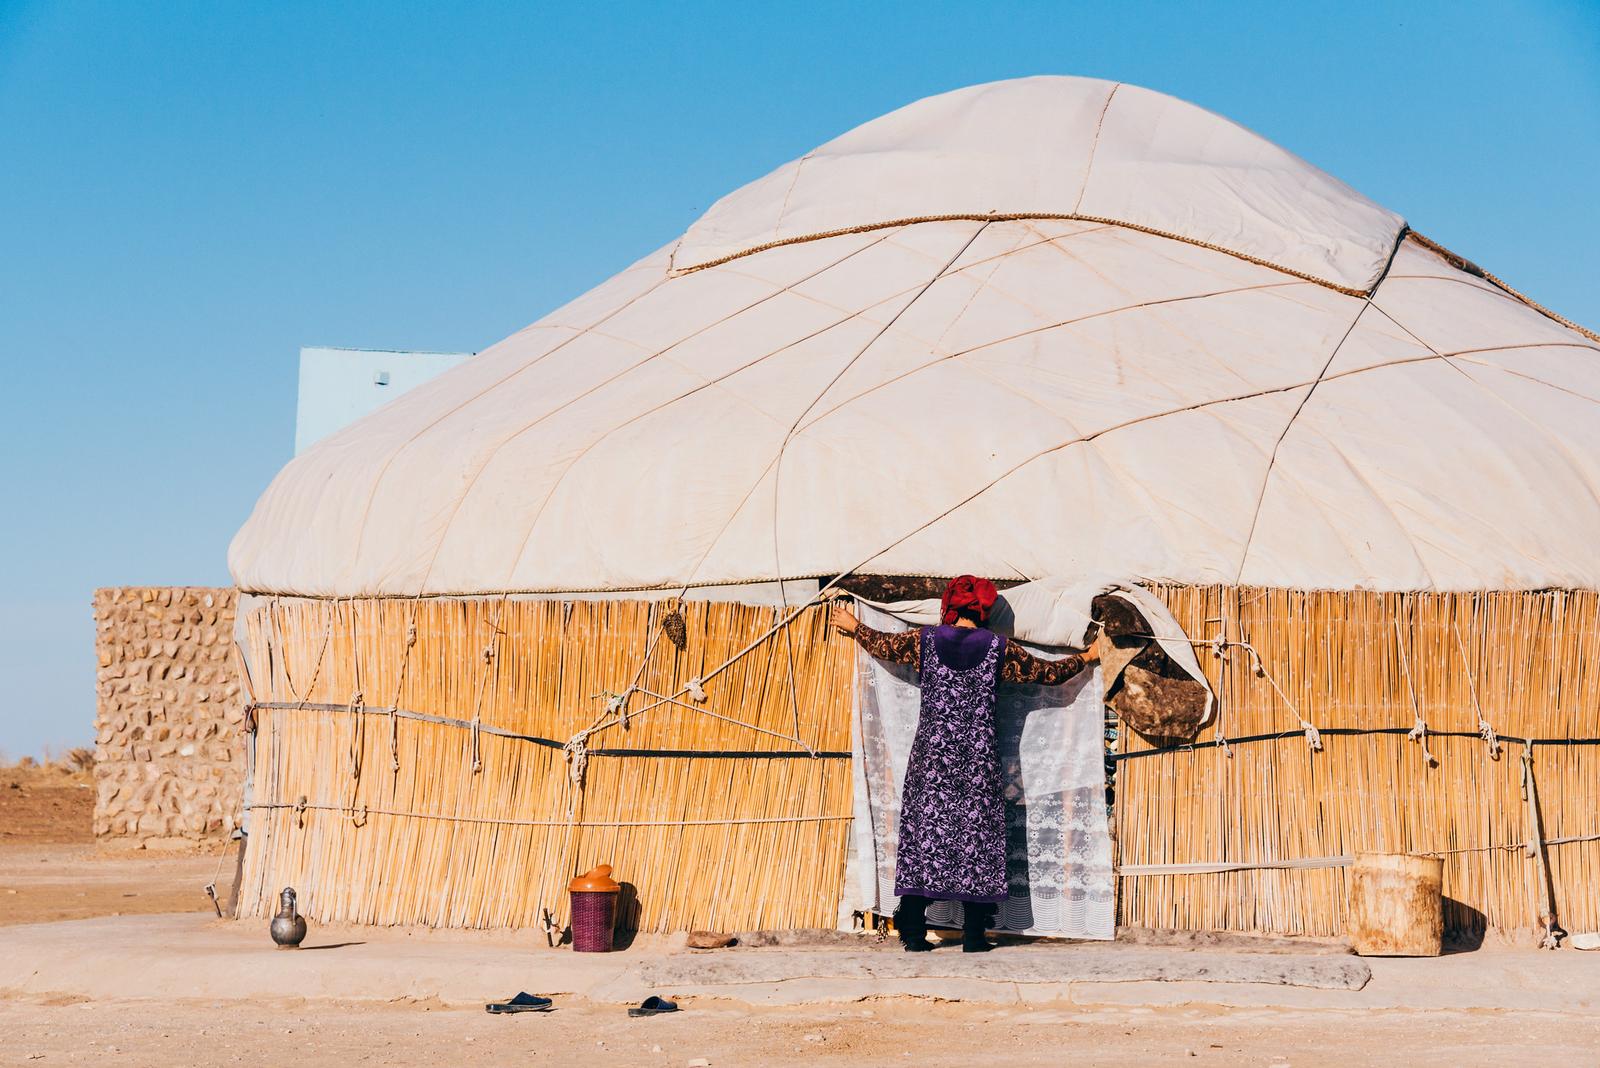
383,819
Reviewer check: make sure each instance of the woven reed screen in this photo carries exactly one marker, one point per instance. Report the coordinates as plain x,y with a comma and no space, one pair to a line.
397,827
1535,659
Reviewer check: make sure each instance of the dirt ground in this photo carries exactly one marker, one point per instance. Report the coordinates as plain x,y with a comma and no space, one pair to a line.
46,803
902,1032
50,868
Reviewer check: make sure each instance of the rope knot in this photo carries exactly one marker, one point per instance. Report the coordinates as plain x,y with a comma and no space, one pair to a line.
1419,734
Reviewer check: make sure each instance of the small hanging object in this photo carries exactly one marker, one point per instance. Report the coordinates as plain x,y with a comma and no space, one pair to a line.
288,926
1419,733
696,691
676,630
617,707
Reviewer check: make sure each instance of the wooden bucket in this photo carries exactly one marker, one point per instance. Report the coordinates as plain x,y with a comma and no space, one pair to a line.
1396,905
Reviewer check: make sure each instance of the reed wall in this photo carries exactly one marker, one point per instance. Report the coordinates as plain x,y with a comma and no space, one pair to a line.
387,819
1534,659
737,831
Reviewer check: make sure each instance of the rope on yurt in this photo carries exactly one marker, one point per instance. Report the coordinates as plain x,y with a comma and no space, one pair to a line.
1536,850
1461,263
783,447
1419,727
1216,867
1485,730
1313,736
1347,732
1219,649
485,675
358,735
358,724
551,743
316,671
400,682
994,217
303,805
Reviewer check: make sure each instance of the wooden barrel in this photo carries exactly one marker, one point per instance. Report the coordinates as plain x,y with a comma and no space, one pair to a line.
1396,905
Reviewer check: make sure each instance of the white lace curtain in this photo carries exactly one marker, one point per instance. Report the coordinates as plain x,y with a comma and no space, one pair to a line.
1052,761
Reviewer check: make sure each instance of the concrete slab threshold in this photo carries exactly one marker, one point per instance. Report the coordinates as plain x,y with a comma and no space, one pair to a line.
191,956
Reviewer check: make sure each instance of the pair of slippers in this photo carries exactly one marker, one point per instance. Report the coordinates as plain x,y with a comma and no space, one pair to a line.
526,1002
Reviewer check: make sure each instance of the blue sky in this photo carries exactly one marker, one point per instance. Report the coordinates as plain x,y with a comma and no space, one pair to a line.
189,192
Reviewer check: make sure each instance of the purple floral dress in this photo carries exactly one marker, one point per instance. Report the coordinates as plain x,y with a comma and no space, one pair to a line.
952,815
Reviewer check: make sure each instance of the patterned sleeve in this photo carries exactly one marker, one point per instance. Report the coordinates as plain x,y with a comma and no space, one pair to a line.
1019,665
901,648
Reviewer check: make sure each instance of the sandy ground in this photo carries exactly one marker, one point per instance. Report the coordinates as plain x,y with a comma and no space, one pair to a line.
50,868
46,803
901,1032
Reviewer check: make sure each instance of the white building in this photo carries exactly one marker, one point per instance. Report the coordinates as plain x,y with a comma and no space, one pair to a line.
339,386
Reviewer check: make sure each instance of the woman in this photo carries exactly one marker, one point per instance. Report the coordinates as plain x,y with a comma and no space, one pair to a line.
952,814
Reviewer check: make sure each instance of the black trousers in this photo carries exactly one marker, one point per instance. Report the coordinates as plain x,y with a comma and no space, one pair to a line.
911,920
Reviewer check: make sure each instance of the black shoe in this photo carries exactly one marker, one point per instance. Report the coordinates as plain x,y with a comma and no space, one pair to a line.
975,929
911,922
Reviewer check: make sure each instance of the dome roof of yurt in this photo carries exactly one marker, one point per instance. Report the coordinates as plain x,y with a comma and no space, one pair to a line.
1041,327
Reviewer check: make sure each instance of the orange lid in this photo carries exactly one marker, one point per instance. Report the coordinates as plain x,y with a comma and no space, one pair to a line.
597,881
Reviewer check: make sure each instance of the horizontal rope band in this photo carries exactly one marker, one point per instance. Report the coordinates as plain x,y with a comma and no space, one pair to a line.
1020,216
1344,860
1345,732
1218,866
363,811
549,743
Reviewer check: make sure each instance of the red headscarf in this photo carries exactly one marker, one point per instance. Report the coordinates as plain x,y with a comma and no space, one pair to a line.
967,594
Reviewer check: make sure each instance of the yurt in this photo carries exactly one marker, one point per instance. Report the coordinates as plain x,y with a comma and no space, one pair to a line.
563,605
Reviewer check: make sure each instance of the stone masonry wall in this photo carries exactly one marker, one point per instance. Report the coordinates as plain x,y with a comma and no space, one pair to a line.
169,747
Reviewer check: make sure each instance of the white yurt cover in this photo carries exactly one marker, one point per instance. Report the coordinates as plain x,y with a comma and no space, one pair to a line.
1061,327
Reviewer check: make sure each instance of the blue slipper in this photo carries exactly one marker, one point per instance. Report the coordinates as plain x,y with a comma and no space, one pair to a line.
523,1002
654,1006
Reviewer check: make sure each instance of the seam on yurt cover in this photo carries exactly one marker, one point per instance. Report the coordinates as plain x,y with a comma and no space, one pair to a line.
1525,375
1463,264
1040,330
1094,145
1016,217
799,165
372,493
1199,405
1540,429
712,383
1266,476
783,446
489,459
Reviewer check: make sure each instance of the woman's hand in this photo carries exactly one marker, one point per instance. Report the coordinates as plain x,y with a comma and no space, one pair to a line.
1091,654
843,620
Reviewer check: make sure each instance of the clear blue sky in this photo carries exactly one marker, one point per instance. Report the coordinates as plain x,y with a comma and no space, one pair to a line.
189,192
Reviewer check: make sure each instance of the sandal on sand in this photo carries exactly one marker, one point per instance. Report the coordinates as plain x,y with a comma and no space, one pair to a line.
653,1006
523,1002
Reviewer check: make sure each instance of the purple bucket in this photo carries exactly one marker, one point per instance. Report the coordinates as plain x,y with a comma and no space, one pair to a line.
594,910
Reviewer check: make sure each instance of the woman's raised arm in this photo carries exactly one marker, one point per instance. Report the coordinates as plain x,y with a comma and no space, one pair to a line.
1019,665
900,648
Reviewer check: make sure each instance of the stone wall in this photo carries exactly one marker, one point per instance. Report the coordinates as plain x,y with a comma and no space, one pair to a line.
169,747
